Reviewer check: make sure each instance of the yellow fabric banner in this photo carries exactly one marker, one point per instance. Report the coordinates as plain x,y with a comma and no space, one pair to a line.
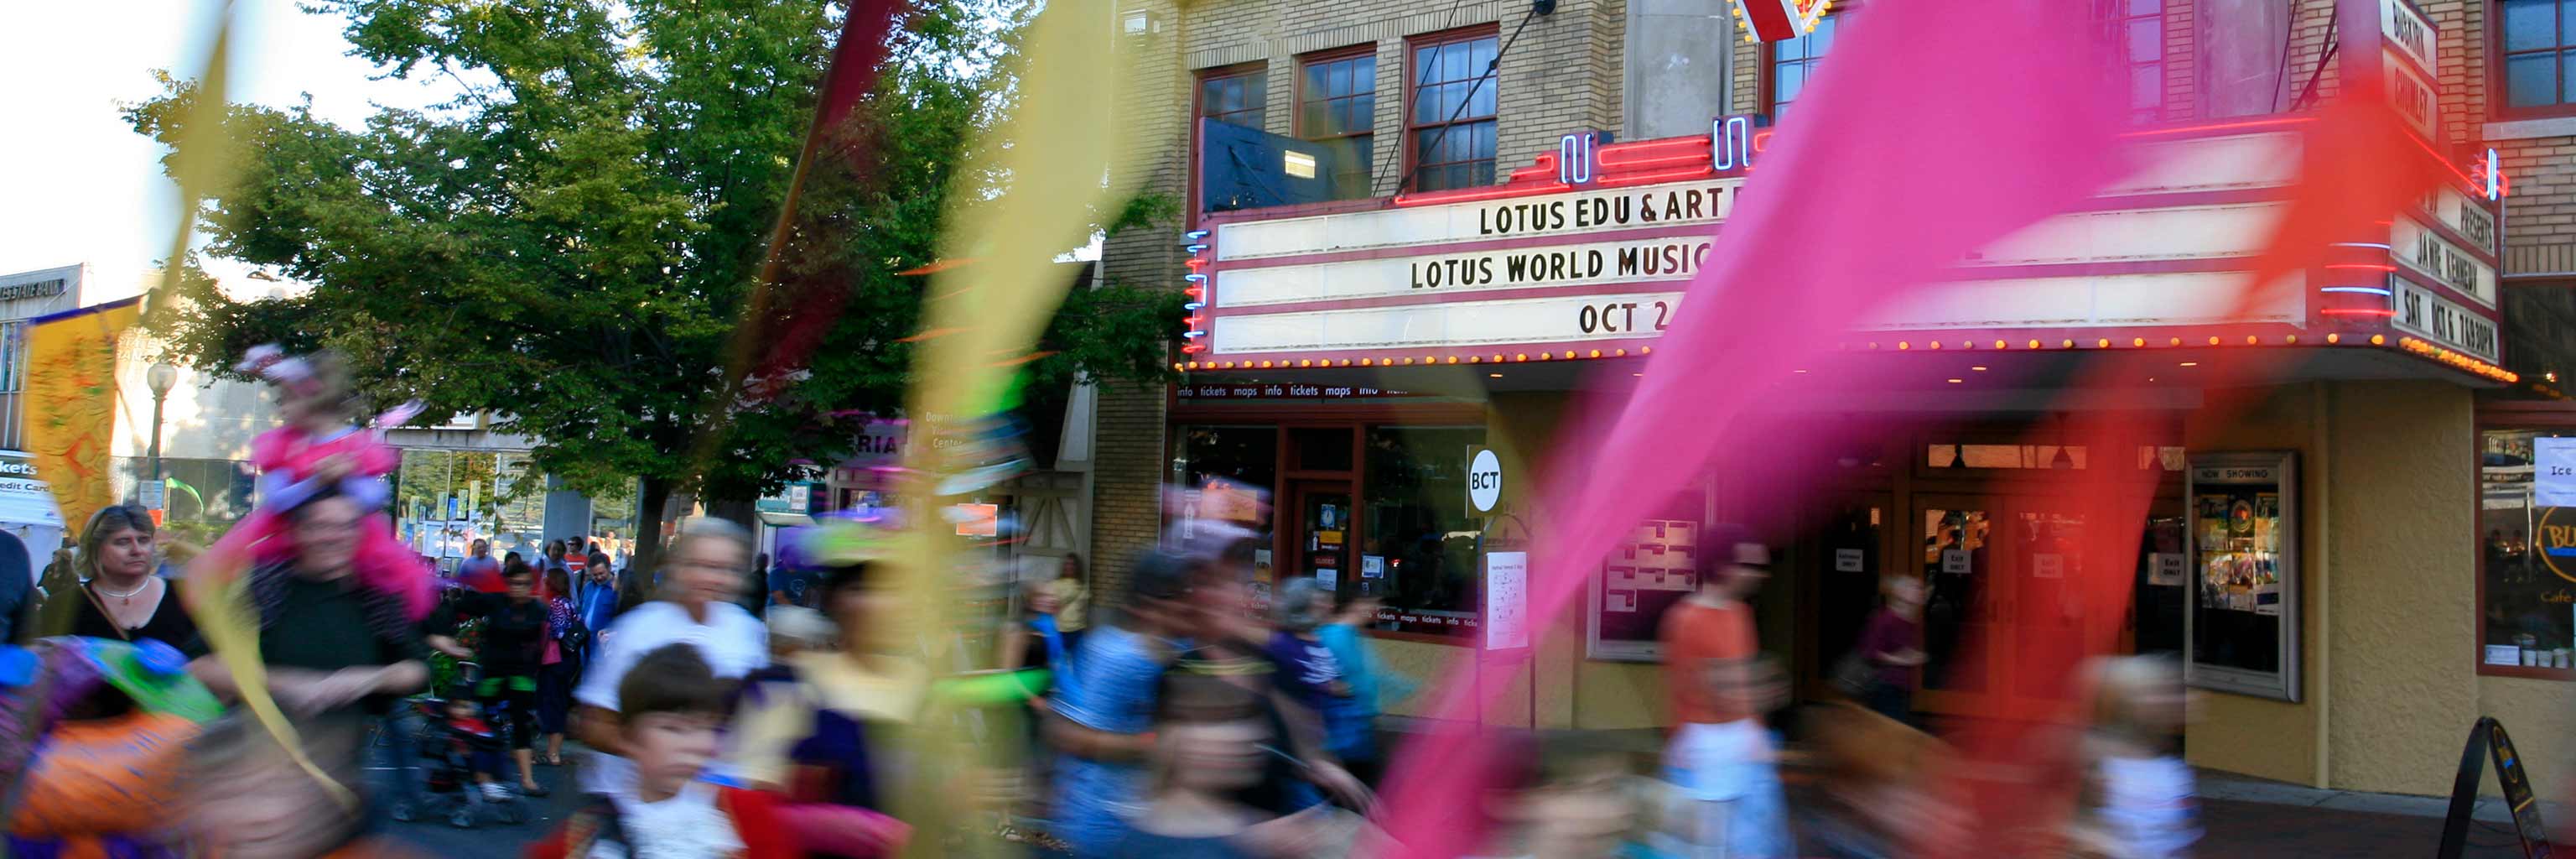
71,404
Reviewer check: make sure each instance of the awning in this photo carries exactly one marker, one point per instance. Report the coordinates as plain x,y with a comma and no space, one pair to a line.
27,502
786,520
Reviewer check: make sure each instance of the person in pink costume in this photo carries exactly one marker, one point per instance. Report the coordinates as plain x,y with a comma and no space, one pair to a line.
318,450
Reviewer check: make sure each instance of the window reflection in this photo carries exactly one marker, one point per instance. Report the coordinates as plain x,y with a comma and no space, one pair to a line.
2528,553
1420,550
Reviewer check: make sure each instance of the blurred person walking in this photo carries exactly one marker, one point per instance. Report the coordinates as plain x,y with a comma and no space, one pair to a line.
478,570
1208,748
1033,640
1721,758
695,608
595,597
1351,721
1102,722
658,807
1888,654
2139,796
560,668
755,593
337,653
1309,672
826,730
516,630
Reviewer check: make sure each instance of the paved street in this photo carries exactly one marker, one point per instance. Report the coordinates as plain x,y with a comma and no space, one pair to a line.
490,836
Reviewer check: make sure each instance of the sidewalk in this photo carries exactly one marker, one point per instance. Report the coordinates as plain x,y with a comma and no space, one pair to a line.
2250,818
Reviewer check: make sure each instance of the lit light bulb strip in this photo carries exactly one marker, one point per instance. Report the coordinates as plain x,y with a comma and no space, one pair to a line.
1433,360
2000,343
2458,360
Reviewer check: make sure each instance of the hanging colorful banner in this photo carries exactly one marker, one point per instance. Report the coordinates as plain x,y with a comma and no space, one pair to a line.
71,403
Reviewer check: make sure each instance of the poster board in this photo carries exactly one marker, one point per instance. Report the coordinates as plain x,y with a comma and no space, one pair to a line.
2241,621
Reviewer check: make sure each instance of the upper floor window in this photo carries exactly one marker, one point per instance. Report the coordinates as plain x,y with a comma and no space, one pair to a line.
1450,122
2237,62
2139,27
1793,61
2537,56
1337,106
1234,97
13,356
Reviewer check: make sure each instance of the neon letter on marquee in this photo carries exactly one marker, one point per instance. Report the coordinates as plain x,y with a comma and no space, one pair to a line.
1575,158
1730,143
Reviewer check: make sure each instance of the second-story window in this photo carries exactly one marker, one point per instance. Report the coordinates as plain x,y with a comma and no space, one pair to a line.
2537,56
1235,98
1450,123
2139,27
1793,61
1337,106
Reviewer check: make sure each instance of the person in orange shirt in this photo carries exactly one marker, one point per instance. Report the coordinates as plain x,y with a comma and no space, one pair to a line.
1721,759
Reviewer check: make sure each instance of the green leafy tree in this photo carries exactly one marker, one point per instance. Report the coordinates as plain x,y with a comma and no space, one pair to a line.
570,243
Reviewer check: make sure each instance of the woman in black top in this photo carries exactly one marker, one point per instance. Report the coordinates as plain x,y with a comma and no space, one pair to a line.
338,654
515,629
121,598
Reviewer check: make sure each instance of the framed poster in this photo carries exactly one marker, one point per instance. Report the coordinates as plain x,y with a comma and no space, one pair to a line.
1657,566
2241,624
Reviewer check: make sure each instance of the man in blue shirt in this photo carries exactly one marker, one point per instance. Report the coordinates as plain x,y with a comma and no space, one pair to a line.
1102,721
479,571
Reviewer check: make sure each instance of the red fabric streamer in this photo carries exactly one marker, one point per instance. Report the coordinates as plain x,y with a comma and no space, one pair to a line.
1940,128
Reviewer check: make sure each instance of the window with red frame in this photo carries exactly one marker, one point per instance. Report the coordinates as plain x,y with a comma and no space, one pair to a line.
1794,60
1337,107
1235,98
1450,122
2536,55
2527,558
2138,26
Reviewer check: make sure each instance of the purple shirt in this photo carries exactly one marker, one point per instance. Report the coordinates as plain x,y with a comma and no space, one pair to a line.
1307,669
1888,634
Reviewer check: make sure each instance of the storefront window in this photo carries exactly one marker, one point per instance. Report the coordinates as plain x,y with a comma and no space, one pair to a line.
1242,462
1247,456
1419,549
2527,551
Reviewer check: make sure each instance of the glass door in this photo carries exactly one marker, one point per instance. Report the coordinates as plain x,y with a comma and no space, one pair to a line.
1840,581
2048,624
1322,532
1954,556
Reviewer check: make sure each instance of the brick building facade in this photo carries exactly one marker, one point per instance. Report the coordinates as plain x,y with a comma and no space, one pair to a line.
2398,591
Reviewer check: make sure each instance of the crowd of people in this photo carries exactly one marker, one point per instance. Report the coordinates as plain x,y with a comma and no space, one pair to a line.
732,708
1190,720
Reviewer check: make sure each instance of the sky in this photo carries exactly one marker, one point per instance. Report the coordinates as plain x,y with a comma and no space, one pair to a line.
79,185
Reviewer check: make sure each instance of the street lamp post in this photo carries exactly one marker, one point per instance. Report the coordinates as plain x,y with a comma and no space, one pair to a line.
160,377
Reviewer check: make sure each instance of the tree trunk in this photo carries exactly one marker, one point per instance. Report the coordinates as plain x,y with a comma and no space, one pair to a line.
652,494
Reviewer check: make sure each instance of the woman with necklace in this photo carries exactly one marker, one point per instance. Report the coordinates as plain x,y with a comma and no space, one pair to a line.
121,598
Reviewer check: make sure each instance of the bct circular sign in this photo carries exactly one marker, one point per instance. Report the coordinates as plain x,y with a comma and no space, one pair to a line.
1484,481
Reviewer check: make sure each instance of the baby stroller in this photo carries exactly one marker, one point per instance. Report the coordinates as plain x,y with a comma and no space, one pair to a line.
452,751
